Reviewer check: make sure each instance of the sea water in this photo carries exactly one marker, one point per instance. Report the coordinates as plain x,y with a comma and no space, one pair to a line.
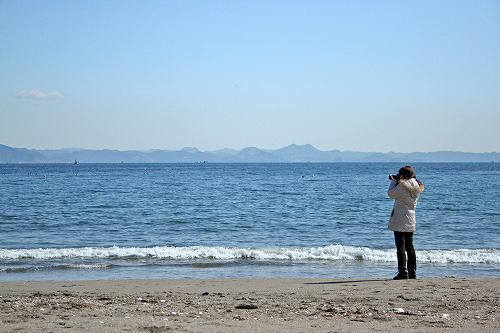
110,221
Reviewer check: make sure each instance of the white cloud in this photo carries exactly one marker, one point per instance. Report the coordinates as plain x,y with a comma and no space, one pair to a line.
39,94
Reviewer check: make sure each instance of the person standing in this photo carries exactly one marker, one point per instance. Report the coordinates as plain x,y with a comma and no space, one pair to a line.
405,189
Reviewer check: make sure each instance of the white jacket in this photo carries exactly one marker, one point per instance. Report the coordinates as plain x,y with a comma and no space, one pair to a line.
405,195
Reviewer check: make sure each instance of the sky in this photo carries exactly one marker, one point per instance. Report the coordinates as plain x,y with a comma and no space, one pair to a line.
376,75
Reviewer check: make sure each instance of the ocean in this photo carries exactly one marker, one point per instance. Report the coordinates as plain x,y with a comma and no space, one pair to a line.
204,220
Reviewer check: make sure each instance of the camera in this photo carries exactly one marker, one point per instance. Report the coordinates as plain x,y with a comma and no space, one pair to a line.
394,177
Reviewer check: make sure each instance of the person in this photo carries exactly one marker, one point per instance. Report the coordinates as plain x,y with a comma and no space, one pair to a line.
405,189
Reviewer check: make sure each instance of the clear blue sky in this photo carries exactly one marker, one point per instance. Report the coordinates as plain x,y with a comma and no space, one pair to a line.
351,75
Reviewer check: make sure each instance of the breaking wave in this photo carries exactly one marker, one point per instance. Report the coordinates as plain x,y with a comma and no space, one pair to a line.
331,252
54,267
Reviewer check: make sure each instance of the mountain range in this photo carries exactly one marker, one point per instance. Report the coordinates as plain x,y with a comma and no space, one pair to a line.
289,154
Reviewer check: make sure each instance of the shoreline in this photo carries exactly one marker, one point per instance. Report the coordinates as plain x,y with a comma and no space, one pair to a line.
252,305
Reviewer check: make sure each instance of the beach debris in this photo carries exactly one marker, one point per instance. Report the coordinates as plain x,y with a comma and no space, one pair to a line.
358,319
445,316
422,314
399,311
246,306
205,293
143,300
156,329
333,309
477,316
238,318
408,298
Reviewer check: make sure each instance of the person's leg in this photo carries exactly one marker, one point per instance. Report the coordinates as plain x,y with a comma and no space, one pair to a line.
412,258
400,249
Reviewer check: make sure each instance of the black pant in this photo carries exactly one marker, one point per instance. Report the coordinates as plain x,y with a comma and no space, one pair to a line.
404,243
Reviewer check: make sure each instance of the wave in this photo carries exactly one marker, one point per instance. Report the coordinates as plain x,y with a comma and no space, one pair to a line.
330,252
49,268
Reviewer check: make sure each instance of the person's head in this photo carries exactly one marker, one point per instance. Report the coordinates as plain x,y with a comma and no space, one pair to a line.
407,172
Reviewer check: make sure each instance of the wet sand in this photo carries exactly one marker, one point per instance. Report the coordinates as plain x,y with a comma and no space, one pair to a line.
252,305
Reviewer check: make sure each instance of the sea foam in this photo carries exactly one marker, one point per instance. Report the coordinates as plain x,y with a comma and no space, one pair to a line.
330,252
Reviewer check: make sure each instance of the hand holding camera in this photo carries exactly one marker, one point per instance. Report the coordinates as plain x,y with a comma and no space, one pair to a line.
395,177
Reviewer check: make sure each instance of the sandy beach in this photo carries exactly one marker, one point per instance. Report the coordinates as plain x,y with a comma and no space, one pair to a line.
252,305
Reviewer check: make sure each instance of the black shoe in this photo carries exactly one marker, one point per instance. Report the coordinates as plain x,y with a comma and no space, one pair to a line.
400,277
412,276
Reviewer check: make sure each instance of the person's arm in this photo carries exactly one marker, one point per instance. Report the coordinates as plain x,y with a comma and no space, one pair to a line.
395,190
420,185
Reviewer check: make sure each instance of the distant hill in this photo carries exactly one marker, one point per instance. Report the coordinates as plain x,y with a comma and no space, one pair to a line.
301,153
289,154
20,155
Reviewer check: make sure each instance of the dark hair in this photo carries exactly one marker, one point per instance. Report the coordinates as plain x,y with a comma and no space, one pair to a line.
407,172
